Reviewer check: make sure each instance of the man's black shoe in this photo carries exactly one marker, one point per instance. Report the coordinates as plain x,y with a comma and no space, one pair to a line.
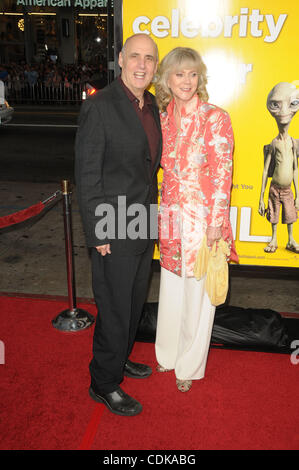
136,371
118,402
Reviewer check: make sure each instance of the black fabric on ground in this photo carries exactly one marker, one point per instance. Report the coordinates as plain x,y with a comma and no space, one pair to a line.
236,328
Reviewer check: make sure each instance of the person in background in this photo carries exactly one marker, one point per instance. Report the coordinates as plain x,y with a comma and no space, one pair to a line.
197,175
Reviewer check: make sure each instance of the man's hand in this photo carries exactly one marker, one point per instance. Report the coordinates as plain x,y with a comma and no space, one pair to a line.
297,203
103,249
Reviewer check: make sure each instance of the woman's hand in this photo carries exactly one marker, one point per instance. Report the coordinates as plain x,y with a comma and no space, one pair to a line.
213,234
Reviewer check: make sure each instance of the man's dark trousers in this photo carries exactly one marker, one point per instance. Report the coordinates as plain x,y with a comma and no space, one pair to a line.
120,285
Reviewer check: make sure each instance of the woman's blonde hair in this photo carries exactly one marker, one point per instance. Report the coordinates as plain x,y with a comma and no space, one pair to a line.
178,59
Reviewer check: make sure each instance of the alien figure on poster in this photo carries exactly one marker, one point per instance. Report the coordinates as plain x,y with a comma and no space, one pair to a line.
281,163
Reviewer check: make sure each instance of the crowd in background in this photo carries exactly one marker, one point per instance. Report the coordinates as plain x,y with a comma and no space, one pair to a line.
49,81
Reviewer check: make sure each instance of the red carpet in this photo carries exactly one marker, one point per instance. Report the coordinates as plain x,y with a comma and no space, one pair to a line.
248,400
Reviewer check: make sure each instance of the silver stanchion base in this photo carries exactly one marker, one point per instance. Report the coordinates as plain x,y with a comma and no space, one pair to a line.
73,320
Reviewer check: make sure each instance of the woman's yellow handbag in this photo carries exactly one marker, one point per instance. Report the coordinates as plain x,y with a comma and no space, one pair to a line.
202,259
214,264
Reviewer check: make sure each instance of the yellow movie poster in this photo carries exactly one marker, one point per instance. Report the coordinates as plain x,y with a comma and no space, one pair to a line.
250,49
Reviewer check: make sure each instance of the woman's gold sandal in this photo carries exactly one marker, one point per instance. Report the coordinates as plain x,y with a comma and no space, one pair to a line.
184,385
162,369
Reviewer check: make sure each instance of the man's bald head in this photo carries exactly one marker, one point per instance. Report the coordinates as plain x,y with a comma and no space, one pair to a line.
141,36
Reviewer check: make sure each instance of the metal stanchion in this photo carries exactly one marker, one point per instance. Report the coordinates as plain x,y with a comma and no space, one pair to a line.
72,319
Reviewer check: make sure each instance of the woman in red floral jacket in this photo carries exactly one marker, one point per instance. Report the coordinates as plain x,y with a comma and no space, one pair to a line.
195,201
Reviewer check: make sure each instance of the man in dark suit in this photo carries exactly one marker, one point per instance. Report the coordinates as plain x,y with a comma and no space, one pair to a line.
118,149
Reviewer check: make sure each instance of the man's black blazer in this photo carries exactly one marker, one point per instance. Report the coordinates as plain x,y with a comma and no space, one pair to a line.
112,159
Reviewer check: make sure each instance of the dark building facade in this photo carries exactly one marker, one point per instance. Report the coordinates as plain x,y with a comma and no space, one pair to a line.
64,31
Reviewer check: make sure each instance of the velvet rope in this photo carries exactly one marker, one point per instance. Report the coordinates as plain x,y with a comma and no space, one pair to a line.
22,215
